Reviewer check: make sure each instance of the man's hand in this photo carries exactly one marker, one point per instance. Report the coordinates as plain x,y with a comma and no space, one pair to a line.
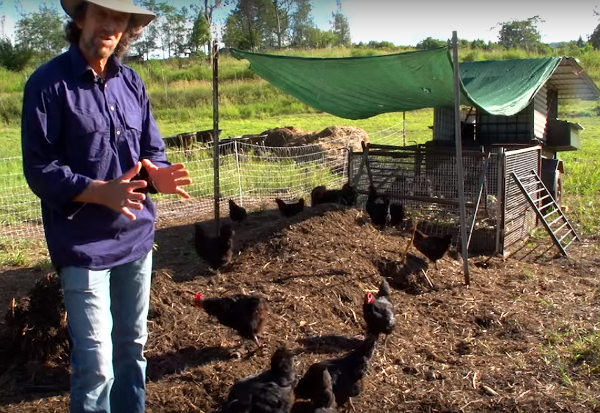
120,195
117,194
169,179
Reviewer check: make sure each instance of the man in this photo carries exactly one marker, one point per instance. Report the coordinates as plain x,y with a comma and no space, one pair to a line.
87,134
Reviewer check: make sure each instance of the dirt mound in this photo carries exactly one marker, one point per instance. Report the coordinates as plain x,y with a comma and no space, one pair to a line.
36,326
329,138
455,349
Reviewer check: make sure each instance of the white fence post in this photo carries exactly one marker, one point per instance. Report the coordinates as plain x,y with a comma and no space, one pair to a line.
239,172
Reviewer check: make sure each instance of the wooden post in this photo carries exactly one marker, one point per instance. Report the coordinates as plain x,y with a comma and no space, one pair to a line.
350,166
459,160
500,207
403,128
239,171
217,195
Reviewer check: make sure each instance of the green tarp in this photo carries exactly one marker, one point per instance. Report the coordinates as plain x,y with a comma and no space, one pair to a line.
361,87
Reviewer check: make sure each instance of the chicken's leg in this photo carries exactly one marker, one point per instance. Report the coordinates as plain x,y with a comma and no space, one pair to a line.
385,339
427,278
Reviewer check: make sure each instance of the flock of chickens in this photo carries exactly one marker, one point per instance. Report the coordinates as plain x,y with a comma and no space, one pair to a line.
328,384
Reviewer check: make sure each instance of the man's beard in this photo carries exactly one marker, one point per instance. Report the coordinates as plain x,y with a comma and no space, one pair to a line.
95,48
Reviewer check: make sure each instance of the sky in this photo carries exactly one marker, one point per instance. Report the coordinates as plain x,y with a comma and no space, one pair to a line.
407,23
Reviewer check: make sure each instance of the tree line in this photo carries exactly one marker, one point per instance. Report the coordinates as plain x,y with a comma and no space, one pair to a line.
250,25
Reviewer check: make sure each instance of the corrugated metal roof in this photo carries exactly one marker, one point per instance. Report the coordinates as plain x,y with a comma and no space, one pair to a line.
572,82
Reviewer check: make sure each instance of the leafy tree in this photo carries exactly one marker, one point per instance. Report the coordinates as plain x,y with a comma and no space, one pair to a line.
580,42
520,33
200,34
478,44
245,25
209,9
318,38
234,35
166,20
340,26
41,31
381,45
14,58
431,43
2,19
301,22
594,38
151,34
281,15
180,31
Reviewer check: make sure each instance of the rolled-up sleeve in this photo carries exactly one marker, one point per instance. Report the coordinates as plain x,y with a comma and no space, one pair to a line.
52,181
152,145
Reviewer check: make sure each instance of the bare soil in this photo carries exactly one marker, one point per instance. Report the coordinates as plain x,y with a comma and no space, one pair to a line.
502,344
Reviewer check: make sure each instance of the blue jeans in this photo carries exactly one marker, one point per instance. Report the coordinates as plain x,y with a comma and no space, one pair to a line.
107,313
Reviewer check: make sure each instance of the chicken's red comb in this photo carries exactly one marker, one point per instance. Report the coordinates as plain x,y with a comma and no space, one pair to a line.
198,297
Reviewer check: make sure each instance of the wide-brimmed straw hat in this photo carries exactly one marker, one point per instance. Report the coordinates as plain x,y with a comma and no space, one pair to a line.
139,15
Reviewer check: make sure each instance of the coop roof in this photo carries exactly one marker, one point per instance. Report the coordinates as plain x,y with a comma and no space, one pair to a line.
362,87
572,82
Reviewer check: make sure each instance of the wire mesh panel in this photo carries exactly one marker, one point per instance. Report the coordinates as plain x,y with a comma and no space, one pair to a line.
288,173
394,135
425,182
519,216
253,175
20,212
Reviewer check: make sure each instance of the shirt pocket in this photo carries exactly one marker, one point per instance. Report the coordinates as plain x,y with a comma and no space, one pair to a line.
87,143
87,135
133,132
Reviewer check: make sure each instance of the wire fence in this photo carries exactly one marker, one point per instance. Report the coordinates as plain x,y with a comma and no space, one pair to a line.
252,175
425,181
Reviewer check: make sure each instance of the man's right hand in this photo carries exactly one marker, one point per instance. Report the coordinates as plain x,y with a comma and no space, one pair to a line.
117,194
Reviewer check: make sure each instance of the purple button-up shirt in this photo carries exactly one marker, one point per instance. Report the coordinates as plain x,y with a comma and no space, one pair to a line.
77,128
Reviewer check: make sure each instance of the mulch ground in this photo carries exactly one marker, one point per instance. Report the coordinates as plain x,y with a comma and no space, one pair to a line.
502,344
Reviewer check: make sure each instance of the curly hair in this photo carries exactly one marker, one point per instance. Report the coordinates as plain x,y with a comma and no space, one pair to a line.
73,32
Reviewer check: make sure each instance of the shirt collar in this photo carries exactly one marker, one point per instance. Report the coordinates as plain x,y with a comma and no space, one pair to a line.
81,66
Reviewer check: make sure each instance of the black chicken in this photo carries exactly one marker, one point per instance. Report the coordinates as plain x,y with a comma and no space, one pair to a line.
379,212
236,212
289,210
271,391
346,374
325,402
432,246
245,314
396,214
346,196
378,311
216,251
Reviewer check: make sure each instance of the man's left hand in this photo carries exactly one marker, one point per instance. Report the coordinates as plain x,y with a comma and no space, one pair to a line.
169,179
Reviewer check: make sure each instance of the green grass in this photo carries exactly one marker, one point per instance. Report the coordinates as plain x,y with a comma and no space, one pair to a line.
577,354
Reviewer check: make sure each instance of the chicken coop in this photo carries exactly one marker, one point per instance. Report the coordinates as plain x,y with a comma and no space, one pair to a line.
510,130
497,150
